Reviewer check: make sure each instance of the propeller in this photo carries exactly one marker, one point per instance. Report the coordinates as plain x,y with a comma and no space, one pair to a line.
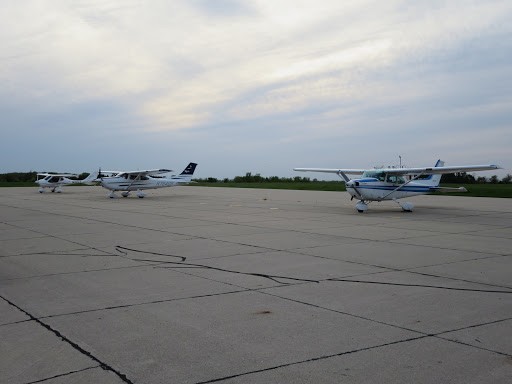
100,175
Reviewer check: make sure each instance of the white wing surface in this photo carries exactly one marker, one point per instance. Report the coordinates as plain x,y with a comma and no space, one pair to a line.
438,170
148,172
58,174
332,170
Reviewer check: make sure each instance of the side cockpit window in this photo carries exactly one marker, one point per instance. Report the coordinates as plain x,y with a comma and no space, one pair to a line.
395,179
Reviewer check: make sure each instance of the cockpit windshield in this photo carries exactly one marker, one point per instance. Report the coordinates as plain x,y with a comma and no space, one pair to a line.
381,176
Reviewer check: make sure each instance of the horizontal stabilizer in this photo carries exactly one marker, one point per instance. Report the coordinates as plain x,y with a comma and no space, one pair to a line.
448,189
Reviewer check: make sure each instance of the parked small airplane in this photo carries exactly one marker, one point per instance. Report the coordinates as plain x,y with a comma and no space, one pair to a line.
391,184
55,181
147,179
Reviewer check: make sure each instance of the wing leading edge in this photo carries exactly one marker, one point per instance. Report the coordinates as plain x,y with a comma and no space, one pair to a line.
407,171
332,170
148,172
439,170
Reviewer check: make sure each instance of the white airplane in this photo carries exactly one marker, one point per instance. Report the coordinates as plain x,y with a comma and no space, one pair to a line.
396,183
147,179
55,181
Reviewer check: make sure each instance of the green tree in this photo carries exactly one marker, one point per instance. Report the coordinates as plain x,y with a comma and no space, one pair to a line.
507,179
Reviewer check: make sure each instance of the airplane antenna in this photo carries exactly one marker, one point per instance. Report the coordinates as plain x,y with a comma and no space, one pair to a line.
400,157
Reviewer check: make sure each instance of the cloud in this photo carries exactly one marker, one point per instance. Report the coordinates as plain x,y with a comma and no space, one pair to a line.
294,76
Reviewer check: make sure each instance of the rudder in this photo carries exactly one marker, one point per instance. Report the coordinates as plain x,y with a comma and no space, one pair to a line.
189,169
186,175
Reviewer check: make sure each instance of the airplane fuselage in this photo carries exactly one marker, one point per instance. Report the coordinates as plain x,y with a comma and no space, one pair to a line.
125,184
372,189
53,182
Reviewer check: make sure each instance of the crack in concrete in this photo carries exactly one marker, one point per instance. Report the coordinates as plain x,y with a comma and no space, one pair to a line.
62,375
308,360
74,345
423,336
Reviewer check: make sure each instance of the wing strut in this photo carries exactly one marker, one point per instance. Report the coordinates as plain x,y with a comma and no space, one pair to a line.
137,178
343,175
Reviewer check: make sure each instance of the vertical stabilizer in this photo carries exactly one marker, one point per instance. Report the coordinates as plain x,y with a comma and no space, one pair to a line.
189,170
186,175
89,179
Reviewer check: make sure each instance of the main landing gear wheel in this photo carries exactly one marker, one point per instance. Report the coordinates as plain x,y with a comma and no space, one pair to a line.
140,194
112,195
407,207
125,194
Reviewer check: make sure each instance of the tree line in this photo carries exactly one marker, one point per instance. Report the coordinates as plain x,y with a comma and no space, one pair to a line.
14,177
466,178
451,178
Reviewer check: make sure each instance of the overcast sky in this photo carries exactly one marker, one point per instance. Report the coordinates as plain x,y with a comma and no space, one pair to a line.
258,86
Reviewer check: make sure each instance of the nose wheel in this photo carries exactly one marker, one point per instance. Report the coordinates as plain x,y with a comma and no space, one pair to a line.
361,206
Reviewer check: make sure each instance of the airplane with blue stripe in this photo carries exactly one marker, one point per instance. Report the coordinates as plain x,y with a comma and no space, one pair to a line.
397,183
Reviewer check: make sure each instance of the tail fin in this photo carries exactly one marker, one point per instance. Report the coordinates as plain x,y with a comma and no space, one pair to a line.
189,170
432,180
186,175
89,179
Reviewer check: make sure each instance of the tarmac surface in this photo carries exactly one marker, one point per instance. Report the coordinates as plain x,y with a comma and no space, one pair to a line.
218,285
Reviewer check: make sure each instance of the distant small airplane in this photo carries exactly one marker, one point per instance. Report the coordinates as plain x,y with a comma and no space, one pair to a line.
390,183
55,181
147,179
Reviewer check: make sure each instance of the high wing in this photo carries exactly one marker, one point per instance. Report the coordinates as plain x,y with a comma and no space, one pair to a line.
148,172
438,170
58,174
108,173
332,170
340,172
